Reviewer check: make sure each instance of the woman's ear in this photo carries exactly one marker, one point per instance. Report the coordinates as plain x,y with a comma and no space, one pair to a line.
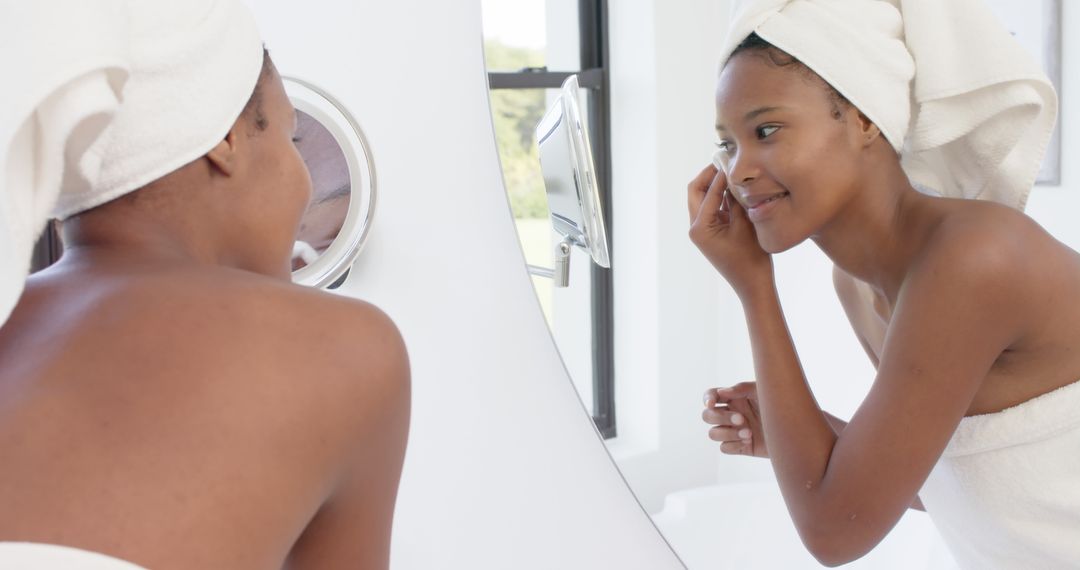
868,131
223,157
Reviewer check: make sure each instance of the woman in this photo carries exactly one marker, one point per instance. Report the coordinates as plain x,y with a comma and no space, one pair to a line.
167,396
967,308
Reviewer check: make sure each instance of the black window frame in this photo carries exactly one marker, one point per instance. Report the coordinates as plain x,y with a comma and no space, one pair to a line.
594,77
48,248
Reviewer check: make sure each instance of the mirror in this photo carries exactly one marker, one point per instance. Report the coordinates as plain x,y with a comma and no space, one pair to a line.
336,224
570,181
331,188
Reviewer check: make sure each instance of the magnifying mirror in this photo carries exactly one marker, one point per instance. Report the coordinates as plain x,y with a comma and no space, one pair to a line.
570,180
337,221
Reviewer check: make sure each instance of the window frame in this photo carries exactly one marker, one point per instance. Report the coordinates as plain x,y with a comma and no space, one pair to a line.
593,76
48,248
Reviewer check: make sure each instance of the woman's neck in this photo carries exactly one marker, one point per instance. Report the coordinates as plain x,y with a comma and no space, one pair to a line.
876,236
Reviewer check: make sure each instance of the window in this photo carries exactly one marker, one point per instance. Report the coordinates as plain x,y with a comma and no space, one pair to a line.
48,248
531,46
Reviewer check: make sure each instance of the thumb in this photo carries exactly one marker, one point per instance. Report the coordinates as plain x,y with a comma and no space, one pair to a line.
740,390
713,201
738,212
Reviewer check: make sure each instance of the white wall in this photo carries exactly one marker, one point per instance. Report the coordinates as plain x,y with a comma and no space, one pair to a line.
1057,207
504,468
669,344
679,329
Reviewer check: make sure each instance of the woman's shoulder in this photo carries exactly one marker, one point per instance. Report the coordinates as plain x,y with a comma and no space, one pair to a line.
993,256
976,234
324,333
222,323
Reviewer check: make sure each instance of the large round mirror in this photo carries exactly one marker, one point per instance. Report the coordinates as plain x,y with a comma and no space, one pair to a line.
338,217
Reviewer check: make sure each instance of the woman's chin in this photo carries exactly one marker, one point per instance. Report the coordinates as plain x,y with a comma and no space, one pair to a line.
773,244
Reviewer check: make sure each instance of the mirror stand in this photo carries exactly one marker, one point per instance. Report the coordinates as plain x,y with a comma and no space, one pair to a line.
560,275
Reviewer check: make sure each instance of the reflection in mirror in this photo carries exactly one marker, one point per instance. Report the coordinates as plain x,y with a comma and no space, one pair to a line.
331,189
571,182
530,47
338,217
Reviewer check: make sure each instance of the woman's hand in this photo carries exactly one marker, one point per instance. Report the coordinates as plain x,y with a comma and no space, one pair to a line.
733,413
720,228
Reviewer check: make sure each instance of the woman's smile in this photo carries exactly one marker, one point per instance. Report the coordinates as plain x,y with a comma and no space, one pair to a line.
759,206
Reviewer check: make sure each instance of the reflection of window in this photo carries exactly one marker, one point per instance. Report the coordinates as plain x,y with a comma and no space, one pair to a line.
531,46
48,248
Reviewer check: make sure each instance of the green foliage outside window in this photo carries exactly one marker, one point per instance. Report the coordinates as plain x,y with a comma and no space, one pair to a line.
516,113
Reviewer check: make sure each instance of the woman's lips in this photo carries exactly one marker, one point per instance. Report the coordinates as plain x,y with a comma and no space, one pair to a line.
763,205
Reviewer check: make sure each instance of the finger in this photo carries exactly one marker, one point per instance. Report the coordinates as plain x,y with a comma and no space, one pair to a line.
725,207
740,390
737,447
723,434
738,212
710,398
697,189
723,416
714,197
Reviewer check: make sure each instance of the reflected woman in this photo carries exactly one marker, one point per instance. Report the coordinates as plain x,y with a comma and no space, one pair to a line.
330,194
867,126
167,395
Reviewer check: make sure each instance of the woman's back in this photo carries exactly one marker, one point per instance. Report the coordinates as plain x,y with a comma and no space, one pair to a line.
194,417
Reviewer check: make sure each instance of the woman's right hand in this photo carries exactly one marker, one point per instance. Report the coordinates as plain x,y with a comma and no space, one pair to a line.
733,413
722,231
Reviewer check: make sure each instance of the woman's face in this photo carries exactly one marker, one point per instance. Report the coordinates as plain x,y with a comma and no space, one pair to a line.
331,188
279,185
790,161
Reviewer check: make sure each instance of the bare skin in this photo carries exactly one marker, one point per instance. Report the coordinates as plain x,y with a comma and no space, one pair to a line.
169,397
965,307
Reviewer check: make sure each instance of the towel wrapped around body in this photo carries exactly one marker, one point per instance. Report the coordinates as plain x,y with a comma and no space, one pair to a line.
1006,491
36,556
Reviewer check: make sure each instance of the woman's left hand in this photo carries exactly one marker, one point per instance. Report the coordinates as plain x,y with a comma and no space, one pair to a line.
720,228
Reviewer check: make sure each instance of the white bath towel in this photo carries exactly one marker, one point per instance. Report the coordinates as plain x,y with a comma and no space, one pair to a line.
183,70
1006,492
64,78
967,107
33,556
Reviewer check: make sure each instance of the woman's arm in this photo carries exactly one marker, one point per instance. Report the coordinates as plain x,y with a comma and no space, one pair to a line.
845,491
956,312
869,328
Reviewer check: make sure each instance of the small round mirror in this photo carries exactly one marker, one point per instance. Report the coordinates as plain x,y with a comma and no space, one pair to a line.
338,217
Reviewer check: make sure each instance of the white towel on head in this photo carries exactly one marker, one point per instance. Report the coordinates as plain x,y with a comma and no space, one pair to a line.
183,70
967,108
194,67
69,72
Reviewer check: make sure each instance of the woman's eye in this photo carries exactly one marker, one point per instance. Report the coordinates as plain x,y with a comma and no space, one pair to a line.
723,146
295,140
763,132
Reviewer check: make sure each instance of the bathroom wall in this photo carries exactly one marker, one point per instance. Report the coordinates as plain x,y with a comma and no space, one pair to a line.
504,468
1057,207
679,329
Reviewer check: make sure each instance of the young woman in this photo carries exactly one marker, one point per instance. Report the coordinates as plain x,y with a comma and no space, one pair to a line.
967,308
167,395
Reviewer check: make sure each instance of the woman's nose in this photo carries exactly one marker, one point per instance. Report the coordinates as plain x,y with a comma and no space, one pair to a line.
742,168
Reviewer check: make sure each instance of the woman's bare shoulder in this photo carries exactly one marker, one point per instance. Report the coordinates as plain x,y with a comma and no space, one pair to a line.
300,326
978,234
995,257
236,327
